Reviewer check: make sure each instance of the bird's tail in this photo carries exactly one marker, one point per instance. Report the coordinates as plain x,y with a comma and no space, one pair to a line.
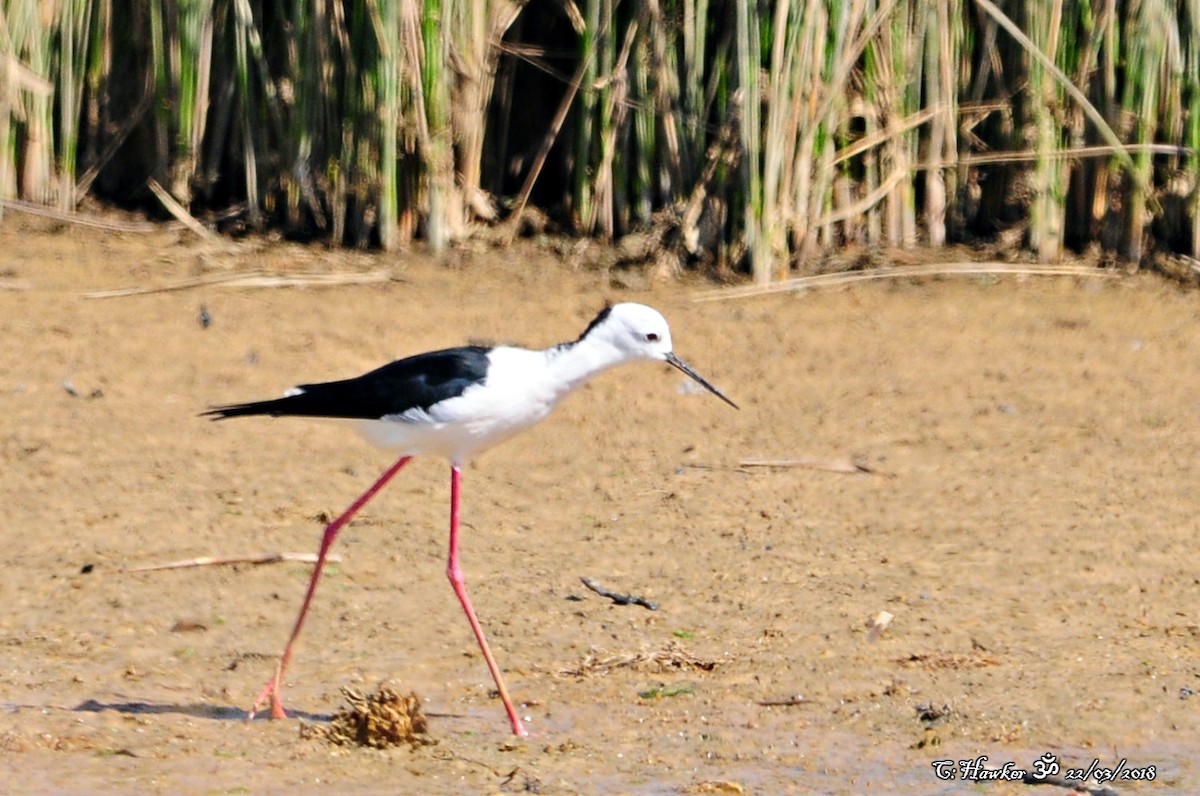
275,408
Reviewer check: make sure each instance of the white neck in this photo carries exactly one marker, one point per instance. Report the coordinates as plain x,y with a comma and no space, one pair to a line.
572,364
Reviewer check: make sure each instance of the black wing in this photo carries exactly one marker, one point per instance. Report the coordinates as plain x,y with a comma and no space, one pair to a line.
416,382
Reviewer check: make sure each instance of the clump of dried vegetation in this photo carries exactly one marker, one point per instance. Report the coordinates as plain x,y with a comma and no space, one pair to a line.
379,720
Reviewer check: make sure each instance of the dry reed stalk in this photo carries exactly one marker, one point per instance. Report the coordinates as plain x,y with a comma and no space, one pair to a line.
480,30
1154,64
17,82
902,272
828,465
888,39
539,159
851,29
748,68
1075,153
659,78
613,97
385,14
179,211
84,219
73,21
28,31
942,54
1192,131
1075,93
221,561
252,280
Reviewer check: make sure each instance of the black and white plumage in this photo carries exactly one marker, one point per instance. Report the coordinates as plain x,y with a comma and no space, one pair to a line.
457,402
415,383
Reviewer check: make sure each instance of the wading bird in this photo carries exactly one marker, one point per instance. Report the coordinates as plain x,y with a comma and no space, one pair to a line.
455,403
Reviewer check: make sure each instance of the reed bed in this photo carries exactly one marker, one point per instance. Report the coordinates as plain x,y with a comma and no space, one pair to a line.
745,135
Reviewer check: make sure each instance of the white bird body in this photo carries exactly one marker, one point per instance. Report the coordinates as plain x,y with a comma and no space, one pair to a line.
516,394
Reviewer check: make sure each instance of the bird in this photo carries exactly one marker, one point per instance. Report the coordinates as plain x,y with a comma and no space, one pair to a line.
455,403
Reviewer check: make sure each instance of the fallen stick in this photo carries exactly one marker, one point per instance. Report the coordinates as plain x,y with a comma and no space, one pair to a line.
829,465
208,561
717,468
86,220
619,599
254,279
179,211
788,702
901,272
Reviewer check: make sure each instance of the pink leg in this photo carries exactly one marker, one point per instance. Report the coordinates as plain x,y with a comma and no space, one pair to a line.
331,532
455,573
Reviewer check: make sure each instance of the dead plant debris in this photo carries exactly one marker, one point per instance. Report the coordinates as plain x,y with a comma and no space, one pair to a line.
619,599
929,712
716,786
672,657
948,660
380,720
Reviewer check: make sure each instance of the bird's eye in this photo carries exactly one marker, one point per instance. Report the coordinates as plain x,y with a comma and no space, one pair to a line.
652,338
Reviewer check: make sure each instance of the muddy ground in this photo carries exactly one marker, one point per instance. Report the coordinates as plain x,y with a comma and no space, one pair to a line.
1030,521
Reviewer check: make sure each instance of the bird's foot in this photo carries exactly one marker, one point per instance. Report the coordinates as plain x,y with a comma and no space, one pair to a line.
270,692
517,727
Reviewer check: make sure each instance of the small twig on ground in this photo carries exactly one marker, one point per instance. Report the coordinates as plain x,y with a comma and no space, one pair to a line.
717,468
208,561
902,272
254,279
449,756
829,465
619,599
783,703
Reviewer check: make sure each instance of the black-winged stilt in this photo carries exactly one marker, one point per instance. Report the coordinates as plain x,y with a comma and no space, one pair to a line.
455,403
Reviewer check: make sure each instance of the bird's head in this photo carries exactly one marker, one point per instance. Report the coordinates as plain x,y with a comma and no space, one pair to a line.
640,332
637,331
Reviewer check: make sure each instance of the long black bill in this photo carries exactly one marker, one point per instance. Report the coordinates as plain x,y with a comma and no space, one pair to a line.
679,363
